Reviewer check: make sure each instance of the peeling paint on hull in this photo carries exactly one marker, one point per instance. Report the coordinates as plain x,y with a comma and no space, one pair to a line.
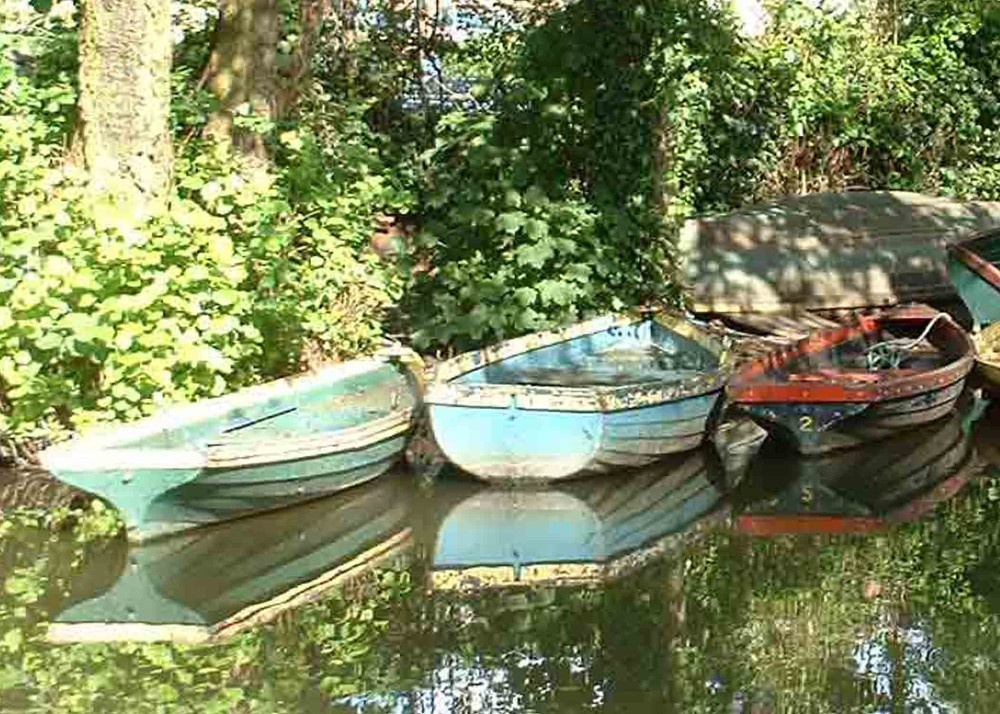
257,449
492,421
518,445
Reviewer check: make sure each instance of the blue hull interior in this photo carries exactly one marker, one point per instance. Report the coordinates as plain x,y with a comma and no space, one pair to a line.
641,353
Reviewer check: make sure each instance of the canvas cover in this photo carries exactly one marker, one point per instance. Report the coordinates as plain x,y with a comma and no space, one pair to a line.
827,251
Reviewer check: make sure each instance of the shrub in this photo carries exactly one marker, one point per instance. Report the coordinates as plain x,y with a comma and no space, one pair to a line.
106,315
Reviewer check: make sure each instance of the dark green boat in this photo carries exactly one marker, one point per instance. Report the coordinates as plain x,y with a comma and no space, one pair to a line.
974,269
253,450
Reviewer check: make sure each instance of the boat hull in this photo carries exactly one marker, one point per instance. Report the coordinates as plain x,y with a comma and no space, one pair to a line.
256,450
826,251
822,427
618,391
987,357
989,370
515,444
979,295
159,502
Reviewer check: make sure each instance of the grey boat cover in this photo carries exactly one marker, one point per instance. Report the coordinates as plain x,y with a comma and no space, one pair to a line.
827,251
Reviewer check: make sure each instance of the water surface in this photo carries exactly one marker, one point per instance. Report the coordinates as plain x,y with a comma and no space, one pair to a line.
860,581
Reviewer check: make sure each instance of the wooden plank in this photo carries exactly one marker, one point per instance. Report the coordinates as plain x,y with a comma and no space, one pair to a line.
824,251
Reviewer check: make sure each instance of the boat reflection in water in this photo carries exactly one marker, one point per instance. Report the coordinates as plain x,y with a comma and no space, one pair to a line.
861,490
210,583
586,531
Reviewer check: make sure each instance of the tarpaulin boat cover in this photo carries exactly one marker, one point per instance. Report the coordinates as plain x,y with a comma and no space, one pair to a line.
827,251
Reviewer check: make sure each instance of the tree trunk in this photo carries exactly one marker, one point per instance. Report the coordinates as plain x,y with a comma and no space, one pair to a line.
312,15
663,157
242,71
123,131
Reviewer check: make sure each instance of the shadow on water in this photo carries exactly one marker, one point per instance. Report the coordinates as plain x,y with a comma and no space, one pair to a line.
863,580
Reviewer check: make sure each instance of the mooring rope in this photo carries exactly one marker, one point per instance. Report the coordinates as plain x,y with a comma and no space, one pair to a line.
889,354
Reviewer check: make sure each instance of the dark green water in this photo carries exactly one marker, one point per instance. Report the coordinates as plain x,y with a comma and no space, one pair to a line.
866,581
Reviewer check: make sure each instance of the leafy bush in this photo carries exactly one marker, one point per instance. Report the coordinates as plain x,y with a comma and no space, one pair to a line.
554,154
510,256
842,101
108,315
560,198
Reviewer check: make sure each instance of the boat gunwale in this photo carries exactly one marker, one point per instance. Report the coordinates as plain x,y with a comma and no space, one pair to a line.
237,455
105,449
742,390
441,390
964,251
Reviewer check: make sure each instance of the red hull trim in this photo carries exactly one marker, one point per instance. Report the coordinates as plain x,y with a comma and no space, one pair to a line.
846,387
775,525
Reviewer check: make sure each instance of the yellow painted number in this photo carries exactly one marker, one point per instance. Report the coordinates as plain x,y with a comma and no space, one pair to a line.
805,423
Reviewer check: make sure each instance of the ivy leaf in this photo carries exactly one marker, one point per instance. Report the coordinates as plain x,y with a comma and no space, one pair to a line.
528,319
556,292
511,222
536,229
12,640
525,296
534,255
49,341
512,198
579,272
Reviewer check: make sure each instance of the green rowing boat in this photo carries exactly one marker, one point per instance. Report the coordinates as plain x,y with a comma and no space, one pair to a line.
256,449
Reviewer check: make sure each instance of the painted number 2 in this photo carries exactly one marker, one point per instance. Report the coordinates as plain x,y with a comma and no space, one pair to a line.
805,423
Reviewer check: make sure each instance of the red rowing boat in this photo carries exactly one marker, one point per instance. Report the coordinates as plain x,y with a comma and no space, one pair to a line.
848,385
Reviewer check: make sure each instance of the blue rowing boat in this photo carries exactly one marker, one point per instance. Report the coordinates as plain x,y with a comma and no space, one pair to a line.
613,392
974,269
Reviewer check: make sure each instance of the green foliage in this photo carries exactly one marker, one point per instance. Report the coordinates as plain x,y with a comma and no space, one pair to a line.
561,200
905,103
512,256
252,272
548,160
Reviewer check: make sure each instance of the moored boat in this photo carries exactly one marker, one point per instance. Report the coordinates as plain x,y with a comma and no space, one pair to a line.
581,532
616,391
987,342
823,251
860,382
862,490
208,584
974,269
259,448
